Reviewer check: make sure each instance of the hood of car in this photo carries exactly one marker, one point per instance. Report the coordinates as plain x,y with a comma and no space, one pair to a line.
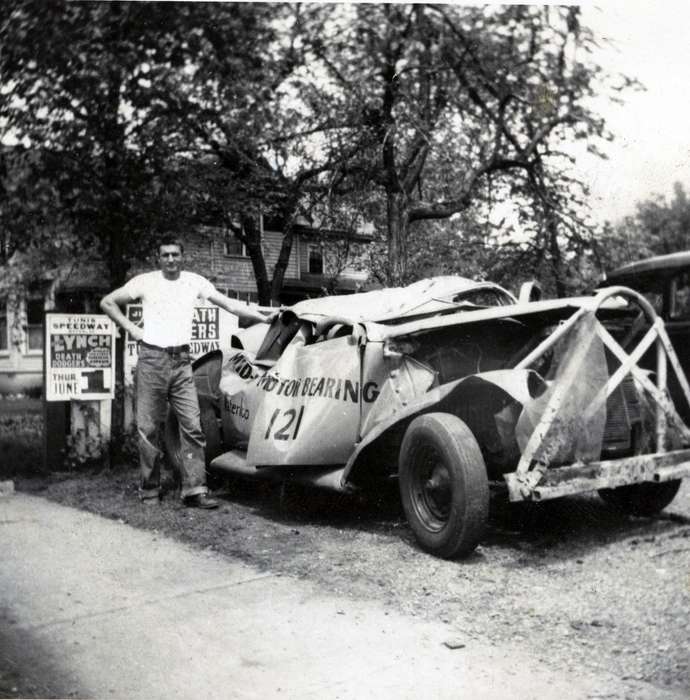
444,293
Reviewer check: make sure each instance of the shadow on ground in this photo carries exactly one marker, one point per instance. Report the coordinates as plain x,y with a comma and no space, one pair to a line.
541,528
258,517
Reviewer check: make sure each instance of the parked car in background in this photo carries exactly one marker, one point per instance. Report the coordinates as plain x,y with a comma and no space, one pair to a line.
452,387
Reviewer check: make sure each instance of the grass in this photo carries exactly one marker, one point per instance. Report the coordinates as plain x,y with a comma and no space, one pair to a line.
10,407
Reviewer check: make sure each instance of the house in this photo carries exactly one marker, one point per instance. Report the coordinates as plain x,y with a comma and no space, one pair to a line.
73,288
320,262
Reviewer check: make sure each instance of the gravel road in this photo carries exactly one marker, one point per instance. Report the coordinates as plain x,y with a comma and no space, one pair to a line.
580,586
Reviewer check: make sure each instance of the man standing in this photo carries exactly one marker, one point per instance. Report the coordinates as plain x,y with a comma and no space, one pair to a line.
164,371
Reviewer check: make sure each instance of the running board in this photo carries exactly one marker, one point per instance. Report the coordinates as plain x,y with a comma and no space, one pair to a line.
329,477
583,478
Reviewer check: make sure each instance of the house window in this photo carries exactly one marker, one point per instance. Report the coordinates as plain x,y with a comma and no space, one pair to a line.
4,327
234,247
34,324
315,260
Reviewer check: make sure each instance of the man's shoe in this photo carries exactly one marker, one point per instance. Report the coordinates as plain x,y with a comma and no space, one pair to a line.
201,500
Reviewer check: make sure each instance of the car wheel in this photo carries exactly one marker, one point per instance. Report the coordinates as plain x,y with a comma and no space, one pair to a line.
210,425
643,499
443,485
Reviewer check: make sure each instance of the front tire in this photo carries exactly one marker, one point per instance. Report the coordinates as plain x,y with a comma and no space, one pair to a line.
644,500
443,485
210,426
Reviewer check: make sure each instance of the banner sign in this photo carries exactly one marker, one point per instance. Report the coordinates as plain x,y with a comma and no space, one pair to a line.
79,357
210,325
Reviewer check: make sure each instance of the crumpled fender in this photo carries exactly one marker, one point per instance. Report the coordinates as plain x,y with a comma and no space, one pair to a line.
512,385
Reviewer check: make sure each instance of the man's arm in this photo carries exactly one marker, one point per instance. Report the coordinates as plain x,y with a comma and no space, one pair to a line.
110,304
246,312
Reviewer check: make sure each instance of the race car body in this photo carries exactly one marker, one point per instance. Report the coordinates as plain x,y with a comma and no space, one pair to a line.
450,385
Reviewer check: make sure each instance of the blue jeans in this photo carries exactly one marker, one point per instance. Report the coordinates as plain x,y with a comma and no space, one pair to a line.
162,378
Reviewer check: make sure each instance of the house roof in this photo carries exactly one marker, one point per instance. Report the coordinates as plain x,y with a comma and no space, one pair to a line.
332,233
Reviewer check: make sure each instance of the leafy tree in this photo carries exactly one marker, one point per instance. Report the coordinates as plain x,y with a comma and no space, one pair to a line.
418,112
161,115
238,105
102,91
445,103
66,69
658,226
87,88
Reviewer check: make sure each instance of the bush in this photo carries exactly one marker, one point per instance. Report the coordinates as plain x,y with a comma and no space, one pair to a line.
21,445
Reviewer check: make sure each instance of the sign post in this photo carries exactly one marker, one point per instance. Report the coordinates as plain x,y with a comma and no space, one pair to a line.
79,368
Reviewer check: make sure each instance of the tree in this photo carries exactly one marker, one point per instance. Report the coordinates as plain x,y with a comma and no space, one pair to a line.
91,90
238,106
134,99
659,226
101,90
66,67
419,112
445,103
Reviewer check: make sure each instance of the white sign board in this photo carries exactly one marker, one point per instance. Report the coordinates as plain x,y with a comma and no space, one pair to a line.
79,357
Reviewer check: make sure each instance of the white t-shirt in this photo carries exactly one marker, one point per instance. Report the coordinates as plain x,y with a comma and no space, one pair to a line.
168,305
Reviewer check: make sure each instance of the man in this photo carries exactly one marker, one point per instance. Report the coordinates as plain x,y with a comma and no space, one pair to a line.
164,371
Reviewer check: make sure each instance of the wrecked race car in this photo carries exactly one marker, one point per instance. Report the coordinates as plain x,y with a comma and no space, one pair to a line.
453,387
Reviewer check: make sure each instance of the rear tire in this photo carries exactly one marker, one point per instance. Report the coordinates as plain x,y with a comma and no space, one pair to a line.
643,499
443,485
210,426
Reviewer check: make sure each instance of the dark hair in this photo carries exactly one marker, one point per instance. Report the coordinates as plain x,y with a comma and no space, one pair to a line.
170,240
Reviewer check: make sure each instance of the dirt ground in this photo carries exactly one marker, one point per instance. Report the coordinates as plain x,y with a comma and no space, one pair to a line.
574,582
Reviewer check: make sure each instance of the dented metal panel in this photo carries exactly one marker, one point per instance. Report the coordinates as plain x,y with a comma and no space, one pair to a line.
583,478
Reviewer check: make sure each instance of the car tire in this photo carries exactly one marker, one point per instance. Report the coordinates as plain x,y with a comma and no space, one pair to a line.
443,485
643,499
210,426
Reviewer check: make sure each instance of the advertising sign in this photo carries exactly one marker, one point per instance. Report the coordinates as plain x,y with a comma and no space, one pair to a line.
79,357
209,326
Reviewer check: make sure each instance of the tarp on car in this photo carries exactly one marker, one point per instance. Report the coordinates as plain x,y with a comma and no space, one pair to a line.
428,295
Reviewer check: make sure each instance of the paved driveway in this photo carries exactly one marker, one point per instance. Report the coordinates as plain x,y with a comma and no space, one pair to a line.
90,607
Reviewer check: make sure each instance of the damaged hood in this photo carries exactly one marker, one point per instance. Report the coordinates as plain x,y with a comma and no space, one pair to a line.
426,296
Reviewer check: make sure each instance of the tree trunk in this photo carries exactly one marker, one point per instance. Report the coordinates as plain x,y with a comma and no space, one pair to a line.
398,227
281,264
114,221
556,258
252,240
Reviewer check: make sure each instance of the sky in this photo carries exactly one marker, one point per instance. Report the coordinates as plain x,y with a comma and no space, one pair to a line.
652,146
